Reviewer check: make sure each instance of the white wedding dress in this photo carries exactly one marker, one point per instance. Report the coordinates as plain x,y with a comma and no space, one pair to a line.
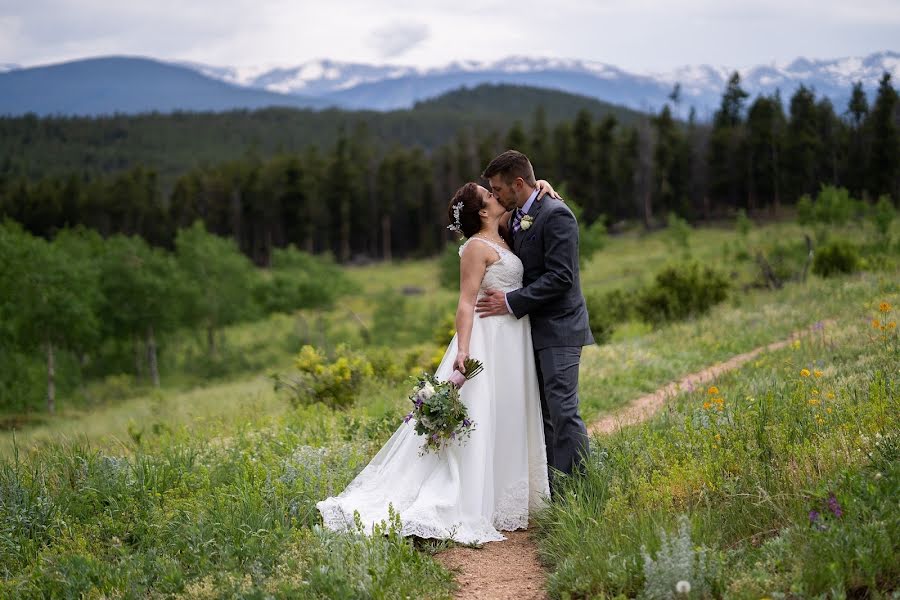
471,491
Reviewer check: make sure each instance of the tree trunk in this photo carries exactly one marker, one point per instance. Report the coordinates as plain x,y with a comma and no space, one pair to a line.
51,379
151,356
386,237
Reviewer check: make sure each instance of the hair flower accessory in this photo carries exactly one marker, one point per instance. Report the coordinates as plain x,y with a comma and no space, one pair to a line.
456,225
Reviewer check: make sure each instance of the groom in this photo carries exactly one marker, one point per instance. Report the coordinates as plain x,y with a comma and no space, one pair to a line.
545,237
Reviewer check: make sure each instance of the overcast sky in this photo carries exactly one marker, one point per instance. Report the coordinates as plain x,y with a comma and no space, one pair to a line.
641,35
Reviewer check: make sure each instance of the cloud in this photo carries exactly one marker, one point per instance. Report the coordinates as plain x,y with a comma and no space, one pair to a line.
398,38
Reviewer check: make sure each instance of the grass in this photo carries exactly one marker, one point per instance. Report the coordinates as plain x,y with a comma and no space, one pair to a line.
720,488
208,489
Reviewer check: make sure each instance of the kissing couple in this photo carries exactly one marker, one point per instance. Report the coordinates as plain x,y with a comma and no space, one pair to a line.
522,314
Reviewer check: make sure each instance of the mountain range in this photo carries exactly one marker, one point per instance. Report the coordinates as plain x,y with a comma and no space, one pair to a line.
131,85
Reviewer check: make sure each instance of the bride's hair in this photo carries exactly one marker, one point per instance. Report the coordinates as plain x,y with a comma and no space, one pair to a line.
468,221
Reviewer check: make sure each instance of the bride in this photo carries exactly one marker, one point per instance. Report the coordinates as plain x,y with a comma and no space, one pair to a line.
467,492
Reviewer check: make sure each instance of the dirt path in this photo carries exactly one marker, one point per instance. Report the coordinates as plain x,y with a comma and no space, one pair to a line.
511,569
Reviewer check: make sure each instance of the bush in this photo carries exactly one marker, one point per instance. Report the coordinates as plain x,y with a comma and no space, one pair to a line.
681,291
836,257
448,266
335,383
882,215
605,311
678,233
300,280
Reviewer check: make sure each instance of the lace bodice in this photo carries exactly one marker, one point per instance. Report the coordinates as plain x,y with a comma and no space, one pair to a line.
505,274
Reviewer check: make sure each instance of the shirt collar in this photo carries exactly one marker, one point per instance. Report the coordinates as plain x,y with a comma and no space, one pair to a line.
528,204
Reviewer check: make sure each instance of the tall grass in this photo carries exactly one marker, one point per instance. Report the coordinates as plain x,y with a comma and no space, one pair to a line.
785,473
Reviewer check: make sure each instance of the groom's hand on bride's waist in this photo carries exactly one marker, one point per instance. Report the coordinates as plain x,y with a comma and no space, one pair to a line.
492,304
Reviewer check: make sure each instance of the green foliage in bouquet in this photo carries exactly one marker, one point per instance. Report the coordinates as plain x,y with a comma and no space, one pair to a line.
439,414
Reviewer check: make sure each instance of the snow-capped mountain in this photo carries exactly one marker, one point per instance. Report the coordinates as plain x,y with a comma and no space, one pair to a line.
384,87
128,85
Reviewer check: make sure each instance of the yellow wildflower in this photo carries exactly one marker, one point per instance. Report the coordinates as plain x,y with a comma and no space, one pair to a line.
876,324
817,373
707,405
892,325
820,420
828,410
884,307
830,395
813,401
796,344
804,373
712,391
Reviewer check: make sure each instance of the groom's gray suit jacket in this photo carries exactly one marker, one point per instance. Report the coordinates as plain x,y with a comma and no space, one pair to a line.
551,295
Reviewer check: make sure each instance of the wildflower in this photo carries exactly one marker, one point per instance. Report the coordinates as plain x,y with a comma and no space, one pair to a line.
884,307
817,373
892,325
796,344
713,390
876,324
804,373
707,405
830,395
833,505
820,421
683,587
828,410
813,401
813,516
815,392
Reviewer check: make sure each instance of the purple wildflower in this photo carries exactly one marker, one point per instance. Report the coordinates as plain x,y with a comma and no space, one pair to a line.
466,422
833,505
819,325
813,516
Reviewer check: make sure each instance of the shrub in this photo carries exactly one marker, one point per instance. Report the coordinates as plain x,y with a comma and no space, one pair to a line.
678,233
448,266
681,291
836,257
743,224
607,310
300,280
882,215
334,383
806,214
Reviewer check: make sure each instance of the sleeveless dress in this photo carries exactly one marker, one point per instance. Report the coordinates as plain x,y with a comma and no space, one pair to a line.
493,481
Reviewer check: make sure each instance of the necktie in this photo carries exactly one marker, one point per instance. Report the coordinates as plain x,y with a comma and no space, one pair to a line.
517,220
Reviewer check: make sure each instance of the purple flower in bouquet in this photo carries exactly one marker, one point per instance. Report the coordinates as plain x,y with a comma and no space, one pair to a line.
439,413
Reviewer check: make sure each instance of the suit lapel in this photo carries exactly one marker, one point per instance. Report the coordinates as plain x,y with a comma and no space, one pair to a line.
519,237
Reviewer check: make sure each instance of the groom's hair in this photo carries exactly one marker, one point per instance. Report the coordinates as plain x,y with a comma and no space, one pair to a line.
510,165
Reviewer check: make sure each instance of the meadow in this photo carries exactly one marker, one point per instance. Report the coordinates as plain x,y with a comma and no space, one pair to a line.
781,482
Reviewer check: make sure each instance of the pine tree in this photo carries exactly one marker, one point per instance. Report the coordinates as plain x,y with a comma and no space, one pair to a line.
726,174
857,145
884,165
802,145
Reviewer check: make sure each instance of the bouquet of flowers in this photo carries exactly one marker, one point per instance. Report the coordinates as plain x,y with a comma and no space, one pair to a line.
439,413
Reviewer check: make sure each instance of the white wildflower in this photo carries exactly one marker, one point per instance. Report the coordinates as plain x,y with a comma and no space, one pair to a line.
683,587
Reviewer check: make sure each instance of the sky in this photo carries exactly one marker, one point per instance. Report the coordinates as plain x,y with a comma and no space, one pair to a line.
637,35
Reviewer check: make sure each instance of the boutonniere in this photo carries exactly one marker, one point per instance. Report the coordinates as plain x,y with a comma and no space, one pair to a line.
527,220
